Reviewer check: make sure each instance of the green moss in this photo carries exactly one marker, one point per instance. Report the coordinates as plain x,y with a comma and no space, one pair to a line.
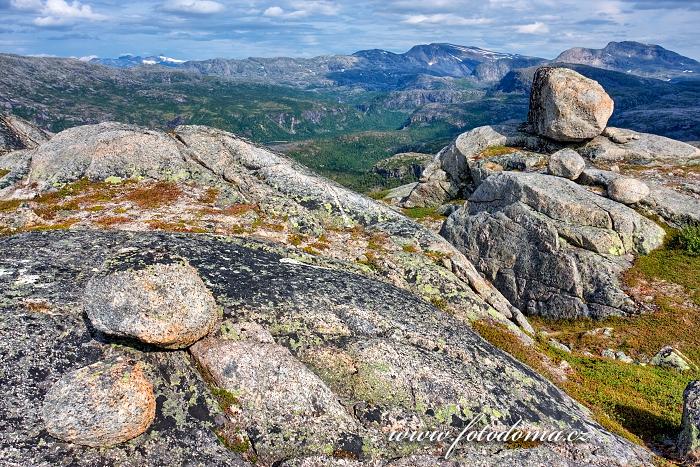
494,151
226,398
422,213
4,172
378,195
689,240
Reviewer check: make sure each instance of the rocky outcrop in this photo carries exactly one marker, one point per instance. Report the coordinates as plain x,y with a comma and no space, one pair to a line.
17,133
153,297
402,166
247,174
551,247
349,353
459,167
102,404
689,439
567,106
621,145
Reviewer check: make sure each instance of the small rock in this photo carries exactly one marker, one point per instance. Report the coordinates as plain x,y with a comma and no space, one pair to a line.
627,190
689,439
154,297
607,332
567,106
102,404
608,353
620,355
668,357
559,346
566,163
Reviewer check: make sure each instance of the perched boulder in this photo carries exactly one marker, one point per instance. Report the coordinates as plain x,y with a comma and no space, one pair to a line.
567,106
293,411
668,357
550,246
627,190
151,296
566,163
102,404
689,439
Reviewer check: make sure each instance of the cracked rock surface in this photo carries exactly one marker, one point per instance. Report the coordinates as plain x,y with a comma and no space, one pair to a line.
369,357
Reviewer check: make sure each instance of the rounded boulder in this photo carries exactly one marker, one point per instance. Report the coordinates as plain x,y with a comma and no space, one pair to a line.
156,298
102,404
627,190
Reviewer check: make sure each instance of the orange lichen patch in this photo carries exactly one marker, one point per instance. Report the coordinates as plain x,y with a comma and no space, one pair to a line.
10,205
209,196
112,220
37,305
239,209
154,195
181,226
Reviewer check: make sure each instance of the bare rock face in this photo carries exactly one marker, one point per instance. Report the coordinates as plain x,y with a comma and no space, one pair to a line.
275,395
689,439
102,404
567,106
628,190
550,246
154,297
17,133
566,163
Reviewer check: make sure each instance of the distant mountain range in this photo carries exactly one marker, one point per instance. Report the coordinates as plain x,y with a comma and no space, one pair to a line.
651,61
132,61
378,69
371,69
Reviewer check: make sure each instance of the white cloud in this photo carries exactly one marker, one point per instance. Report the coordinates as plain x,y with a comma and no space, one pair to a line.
533,28
60,12
445,19
318,7
27,4
273,12
198,7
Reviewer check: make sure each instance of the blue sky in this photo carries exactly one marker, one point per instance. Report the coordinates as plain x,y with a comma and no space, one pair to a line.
198,29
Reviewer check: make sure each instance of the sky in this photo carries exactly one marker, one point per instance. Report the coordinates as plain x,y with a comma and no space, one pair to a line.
201,29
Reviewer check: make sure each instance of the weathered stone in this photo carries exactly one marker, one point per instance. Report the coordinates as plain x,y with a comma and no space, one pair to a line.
627,190
668,357
566,163
567,106
293,411
551,246
639,148
689,439
17,133
385,331
458,168
154,297
102,404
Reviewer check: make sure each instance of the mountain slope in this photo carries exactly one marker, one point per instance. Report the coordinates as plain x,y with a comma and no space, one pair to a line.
634,58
